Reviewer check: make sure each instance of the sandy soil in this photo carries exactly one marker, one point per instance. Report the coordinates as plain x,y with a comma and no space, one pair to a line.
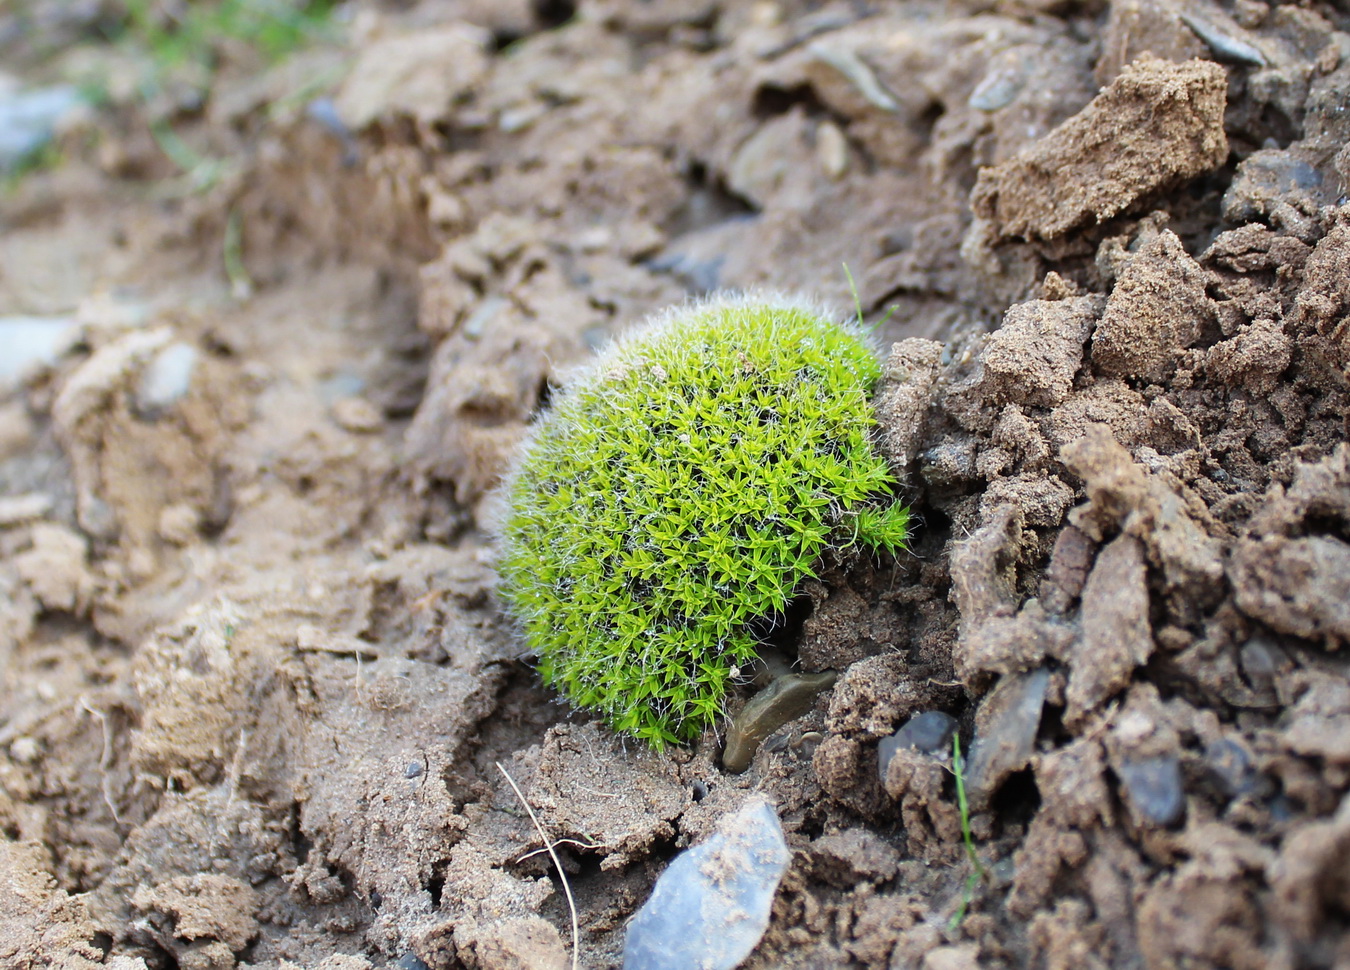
256,686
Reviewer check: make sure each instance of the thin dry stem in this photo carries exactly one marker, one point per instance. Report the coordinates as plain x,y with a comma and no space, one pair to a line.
106,759
567,890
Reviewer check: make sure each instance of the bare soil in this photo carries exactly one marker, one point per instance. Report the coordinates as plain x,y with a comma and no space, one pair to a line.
256,687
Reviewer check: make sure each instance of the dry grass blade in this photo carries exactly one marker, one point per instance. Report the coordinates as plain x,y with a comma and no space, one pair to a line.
567,890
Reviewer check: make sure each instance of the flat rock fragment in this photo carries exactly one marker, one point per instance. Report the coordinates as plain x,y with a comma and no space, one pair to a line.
786,699
930,732
711,905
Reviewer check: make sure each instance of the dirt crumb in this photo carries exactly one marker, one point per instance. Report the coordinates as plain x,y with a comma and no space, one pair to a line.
917,783
1157,309
845,858
202,907
1254,358
528,943
1116,636
1157,124
419,75
257,683
1122,494
905,395
620,802
194,659
1297,586
1065,938
1322,304
1033,357
44,926
55,569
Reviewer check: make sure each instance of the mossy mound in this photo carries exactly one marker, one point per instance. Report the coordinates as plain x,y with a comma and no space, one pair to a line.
681,488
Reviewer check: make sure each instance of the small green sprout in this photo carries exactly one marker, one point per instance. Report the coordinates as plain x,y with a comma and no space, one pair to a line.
683,487
977,867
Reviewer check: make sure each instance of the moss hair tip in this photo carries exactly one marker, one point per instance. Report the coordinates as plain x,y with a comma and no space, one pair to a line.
682,487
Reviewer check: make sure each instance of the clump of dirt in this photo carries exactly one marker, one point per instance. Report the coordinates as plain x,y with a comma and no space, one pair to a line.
259,702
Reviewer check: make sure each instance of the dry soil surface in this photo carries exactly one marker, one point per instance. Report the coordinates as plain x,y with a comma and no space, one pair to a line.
256,685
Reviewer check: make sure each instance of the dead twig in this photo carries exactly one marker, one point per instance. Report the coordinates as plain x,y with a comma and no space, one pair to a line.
106,759
567,890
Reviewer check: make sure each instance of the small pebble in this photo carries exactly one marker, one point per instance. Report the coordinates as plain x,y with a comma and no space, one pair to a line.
16,509
1262,661
832,150
1231,766
324,112
179,524
483,315
846,61
414,770
357,415
24,750
1002,873
930,732
166,379
1283,809
1225,45
700,255
32,342
806,745
512,120
778,742
711,906
1005,80
29,119
341,385
1154,788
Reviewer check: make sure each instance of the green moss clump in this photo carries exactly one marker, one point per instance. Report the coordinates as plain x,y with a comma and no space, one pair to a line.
682,487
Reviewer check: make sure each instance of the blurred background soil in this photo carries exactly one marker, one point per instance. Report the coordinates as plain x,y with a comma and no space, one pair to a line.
281,286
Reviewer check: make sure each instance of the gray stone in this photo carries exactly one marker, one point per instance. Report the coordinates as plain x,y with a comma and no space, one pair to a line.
1153,786
711,906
